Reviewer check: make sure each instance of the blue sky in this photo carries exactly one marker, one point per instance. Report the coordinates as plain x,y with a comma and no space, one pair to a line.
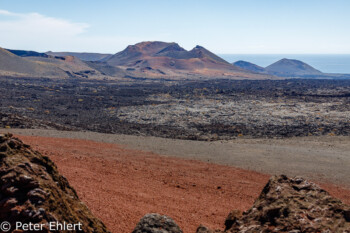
222,26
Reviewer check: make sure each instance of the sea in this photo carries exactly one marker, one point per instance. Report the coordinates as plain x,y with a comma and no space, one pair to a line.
327,63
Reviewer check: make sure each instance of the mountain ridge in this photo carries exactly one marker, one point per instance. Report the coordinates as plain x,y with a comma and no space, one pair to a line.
286,68
151,59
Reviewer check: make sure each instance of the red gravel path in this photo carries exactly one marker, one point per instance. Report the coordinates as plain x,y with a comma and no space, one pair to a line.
121,185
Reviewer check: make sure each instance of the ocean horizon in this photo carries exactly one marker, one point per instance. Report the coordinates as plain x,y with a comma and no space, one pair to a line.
327,63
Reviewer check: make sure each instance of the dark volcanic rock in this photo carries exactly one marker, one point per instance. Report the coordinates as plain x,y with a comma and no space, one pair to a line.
16,121
24,53
290,205
32,191
226,109
156,223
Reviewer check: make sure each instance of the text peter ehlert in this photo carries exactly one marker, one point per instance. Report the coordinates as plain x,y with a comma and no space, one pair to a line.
51,226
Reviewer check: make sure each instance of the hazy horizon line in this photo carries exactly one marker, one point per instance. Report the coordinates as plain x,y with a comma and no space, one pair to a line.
68,51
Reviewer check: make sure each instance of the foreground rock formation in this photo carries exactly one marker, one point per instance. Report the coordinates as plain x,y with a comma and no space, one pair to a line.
32,191
156,223
290,205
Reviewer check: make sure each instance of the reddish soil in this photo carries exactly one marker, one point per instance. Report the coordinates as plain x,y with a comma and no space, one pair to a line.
121,185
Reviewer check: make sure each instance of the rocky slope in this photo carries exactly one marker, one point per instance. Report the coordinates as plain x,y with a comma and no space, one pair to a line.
32,191
289,205
72,66
21,63
13,65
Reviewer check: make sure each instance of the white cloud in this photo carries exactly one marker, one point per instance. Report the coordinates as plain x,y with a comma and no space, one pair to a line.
3,12
35,31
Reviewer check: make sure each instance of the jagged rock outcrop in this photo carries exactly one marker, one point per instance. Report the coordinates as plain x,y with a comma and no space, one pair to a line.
156,223
290,205
33,191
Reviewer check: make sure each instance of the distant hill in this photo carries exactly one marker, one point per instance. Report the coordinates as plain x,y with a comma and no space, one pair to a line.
82,56
24,53
11,64
290,67
249,66
33,64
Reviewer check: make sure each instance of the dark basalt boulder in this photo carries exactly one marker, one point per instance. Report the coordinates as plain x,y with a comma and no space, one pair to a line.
156,223
33,192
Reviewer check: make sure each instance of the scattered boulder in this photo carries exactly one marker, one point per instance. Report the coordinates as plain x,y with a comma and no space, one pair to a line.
156,223
204,229
33,192
290,205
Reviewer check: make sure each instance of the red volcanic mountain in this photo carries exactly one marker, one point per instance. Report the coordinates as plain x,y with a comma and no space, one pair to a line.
145,51
161,58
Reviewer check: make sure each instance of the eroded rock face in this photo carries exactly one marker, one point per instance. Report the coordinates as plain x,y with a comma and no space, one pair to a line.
290,205
32,191
156,223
